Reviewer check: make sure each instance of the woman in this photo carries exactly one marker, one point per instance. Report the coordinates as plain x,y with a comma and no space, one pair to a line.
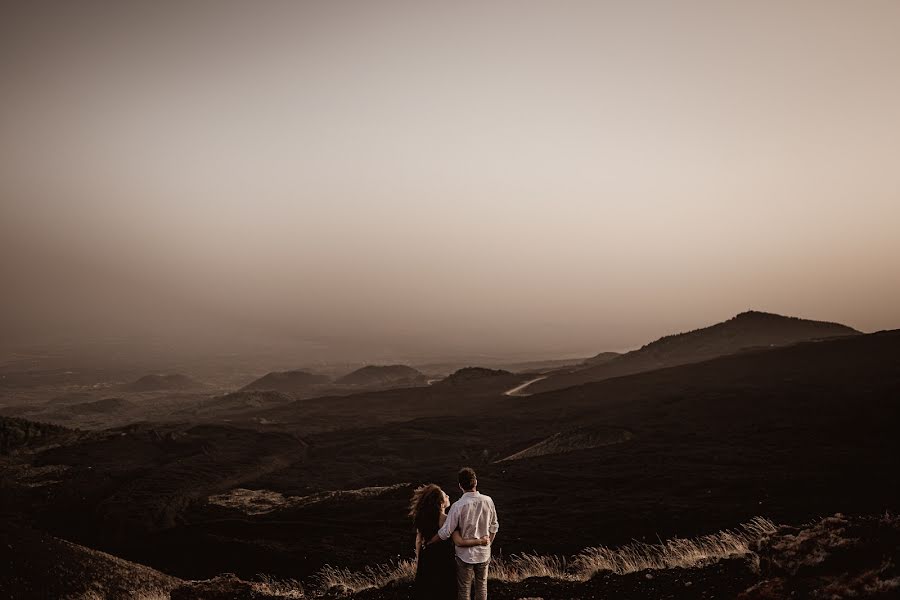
435,563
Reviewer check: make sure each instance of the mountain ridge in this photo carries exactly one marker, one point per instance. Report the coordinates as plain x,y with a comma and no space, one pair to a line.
745,330
289,382
381,375
155,382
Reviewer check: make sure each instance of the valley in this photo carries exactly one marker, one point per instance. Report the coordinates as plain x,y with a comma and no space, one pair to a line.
273,482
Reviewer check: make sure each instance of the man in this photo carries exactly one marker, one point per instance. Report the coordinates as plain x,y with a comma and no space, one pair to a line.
475,517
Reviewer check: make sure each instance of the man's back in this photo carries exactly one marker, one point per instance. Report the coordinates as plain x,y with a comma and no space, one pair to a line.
475,516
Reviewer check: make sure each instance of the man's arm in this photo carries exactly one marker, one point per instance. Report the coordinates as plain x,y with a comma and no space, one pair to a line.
459,541
494,527
450,525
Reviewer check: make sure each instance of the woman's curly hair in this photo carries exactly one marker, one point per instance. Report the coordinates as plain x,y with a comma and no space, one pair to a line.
425,508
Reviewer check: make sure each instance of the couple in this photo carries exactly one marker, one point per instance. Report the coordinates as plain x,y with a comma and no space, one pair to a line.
453,550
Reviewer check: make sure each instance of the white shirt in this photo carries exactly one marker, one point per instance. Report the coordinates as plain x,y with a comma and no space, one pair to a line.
475,517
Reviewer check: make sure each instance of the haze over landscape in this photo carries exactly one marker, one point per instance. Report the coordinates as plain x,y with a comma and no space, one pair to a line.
273,272
394,179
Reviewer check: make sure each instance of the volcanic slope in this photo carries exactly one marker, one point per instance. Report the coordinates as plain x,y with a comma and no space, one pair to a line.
789,433
289,382
750,329
38,565
383,375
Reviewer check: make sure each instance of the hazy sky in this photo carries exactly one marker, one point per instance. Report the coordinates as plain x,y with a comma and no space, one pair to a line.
509,177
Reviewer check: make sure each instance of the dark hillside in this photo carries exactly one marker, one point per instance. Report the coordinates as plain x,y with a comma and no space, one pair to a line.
376,375
101,406
228,406
747,330
603,357
18,433
790,433
289,382
477,376
34,564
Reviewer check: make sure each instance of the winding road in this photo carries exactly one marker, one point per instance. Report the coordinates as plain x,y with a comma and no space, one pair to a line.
519,389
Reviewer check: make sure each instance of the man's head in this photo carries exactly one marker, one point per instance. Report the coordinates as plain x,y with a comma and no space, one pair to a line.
467,480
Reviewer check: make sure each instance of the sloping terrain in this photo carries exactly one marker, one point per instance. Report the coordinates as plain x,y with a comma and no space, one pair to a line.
16,434
789,432
366,409
377,375
289,382
130,487
71,398
838,557
34,564
95,410
102,406
535,366
747,330
14,379
569,441
28,392
228,406
602,357
260,502
476,376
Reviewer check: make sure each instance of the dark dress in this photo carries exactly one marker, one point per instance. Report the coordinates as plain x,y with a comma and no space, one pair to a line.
436,571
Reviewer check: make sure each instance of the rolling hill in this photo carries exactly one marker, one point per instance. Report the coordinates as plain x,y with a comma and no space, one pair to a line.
18,433
289,382
159,383
42,566
790,433
602,357
230,405
477,376
377,375
750,329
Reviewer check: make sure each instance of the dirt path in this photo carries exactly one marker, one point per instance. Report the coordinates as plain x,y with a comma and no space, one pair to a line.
519,389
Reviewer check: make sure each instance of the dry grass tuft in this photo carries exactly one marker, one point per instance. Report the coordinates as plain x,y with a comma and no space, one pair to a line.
633,557
371,577
519,567
282,588
683,553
